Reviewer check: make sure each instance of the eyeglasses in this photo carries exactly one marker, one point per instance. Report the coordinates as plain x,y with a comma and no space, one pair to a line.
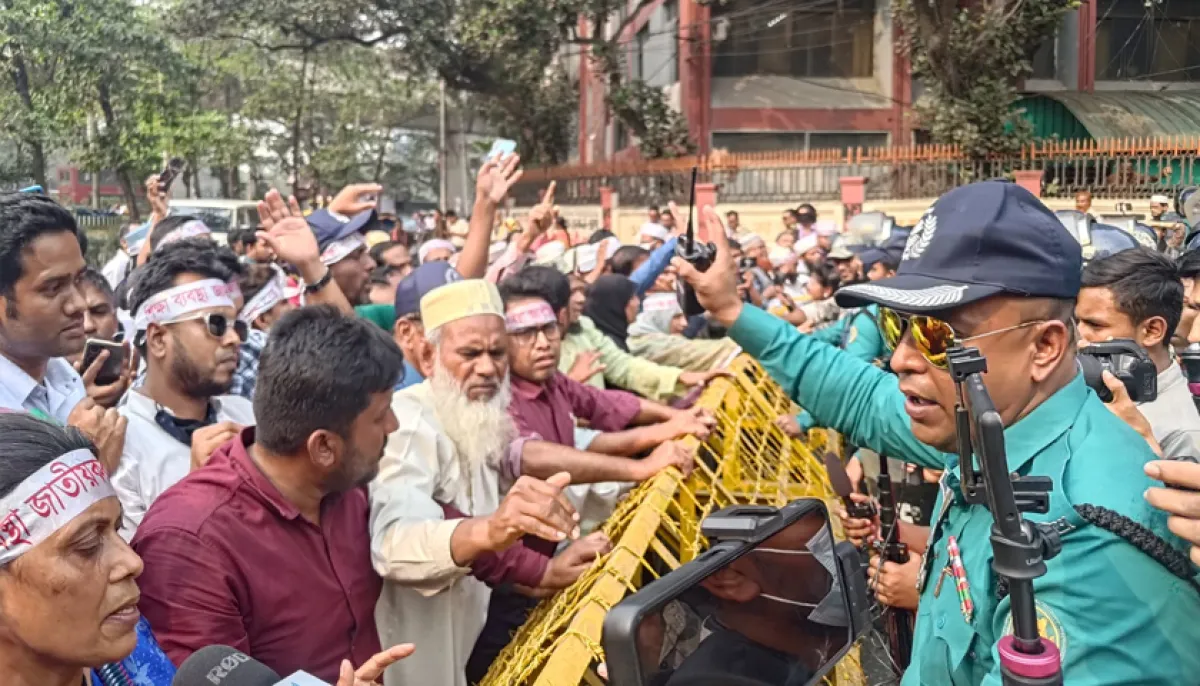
932,336
528,336
218,325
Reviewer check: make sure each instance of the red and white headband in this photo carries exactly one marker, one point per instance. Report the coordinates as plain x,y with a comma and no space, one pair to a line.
189,229
341,248
49,499
269,296
180,301
530,316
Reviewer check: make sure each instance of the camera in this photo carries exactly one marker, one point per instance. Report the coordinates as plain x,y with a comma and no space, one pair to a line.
746,264
1190,358
1127,361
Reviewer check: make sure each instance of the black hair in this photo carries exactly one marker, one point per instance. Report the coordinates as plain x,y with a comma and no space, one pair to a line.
733,213
254,278
652,208
92,277
25,217
624,260
168,225
450,213
538,281
378,251
561,222
600,235
1189,265
184,257
28,444
806,207
1144,284
318,371
380,274
826,275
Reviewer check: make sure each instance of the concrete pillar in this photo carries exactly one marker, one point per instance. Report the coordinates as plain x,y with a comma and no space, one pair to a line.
854,194
1030,180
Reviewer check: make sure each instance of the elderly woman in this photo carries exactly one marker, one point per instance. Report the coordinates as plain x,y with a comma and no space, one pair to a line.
656,335
68,595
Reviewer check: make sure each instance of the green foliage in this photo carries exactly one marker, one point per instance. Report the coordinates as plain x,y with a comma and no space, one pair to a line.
970,56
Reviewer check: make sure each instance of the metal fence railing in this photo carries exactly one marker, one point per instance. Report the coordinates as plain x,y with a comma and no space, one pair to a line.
1125,168
746,460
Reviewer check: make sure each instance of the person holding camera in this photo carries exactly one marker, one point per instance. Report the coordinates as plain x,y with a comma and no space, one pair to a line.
1137,294
990,267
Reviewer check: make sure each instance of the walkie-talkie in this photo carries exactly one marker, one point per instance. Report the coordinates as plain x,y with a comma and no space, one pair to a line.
699,255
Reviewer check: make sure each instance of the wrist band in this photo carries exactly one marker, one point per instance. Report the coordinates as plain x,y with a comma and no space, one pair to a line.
320,283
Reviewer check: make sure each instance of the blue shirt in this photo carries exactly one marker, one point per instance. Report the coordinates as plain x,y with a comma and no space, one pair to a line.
245,377
147,665
1116,614
54,397
412,377
644,276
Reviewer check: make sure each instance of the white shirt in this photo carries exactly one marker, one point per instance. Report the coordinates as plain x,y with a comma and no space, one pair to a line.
153,461
115,269
427,598
55,396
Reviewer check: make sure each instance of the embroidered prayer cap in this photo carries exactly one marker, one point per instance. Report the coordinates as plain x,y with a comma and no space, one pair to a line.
460,300
978,240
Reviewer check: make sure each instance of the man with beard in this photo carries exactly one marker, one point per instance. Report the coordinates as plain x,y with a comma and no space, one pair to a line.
187,331
265,548
443,532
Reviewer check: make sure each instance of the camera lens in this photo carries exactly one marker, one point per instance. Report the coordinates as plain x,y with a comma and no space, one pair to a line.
1093,375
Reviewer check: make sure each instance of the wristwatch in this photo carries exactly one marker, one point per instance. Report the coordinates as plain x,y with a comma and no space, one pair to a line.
310,288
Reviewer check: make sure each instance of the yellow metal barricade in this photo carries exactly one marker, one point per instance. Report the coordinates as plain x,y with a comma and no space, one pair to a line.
747,460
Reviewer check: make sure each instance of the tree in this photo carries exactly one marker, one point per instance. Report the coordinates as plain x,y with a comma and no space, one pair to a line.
970,56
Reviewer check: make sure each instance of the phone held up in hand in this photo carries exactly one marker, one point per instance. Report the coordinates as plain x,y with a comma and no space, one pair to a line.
501,148
168,175
110,372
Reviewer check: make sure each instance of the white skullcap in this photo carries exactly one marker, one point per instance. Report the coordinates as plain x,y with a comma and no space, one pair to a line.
655,231
1160,200
431,245
549,252
750,240
805,244
825,227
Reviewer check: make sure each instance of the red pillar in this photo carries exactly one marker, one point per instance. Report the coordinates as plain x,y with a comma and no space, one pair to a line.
901,91
854,194
706,196
695,70
1030,180
1087,46
606,207
583,94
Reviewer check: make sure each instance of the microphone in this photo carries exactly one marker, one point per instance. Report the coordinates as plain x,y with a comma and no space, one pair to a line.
224,666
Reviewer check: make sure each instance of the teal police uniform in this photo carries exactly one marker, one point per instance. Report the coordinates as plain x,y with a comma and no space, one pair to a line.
858,334
1117,614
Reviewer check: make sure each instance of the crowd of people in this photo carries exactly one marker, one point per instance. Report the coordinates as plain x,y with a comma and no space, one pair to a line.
345,453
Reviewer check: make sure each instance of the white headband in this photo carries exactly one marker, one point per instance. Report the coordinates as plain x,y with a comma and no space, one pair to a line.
267,297
341,248
188,230
179,301
49,499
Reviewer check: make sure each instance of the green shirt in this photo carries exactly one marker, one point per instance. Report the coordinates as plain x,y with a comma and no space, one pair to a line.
384,316
653,381
1117,615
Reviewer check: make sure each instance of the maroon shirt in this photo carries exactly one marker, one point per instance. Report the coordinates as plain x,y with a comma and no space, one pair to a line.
230,562
548,411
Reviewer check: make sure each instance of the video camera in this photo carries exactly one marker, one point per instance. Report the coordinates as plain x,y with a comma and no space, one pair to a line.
1191,369
774,601
1128,362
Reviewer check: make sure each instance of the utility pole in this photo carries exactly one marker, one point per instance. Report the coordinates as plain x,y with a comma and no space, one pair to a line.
442,193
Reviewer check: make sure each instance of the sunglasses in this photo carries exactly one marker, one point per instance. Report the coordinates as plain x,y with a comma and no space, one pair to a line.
218,325
932,337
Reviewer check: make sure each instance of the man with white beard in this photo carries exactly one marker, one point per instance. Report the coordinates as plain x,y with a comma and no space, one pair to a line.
441,534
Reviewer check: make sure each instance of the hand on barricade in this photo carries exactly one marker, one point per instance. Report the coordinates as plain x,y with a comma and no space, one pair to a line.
895,584
533,507
666,455
859,531
568,565
371,673
702,378
790,427
716,289
694,422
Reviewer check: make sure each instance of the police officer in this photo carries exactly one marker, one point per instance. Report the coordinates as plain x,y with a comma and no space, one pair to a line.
858,332
990,266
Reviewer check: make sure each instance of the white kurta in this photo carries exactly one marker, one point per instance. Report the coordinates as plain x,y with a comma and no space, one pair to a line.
426,599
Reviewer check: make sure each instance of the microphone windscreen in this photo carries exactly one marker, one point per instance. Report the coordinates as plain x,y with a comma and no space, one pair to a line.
223,666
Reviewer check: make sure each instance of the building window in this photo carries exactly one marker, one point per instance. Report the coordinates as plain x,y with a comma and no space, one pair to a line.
1158,43
835,41
671,28
1044,60
639,53
747,141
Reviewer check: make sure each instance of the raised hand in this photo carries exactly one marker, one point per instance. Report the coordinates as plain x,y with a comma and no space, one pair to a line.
496,177
272,209
104,427
371,673
541,217
587,365
717,288
206,440
355,198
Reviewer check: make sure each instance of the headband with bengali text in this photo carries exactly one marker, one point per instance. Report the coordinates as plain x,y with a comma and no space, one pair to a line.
189,229
341,248
180,301
49,499
529,316
267,297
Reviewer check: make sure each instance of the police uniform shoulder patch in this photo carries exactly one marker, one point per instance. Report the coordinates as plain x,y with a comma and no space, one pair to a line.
1049,628
853,335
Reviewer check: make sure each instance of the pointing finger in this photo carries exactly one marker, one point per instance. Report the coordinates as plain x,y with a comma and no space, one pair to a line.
548,197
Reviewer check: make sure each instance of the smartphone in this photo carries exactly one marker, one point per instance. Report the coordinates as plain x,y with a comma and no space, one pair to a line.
167,176
501,148
110,372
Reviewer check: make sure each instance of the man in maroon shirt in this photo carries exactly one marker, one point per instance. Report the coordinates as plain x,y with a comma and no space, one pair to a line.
266,548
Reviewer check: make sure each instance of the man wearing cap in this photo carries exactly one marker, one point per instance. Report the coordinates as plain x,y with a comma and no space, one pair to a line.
758,278
409,331
653,235
344,251
989,266
1160,209
435,250
846,260
450,506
